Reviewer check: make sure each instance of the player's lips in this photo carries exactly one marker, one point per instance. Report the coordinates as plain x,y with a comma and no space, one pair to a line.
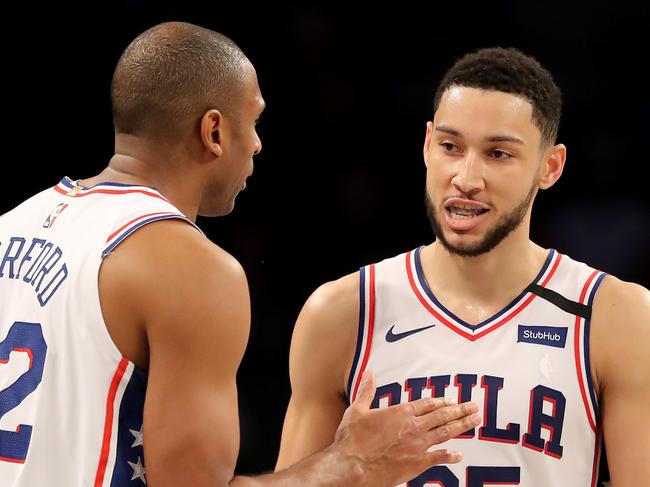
463,215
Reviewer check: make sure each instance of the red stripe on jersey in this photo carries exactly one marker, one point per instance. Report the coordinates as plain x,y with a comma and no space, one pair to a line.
550,274
29,353
371,326
594,472
110,237
498,324
108,423
11,460
111,191
576,345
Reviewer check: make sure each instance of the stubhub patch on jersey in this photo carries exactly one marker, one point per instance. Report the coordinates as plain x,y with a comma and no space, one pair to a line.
552,336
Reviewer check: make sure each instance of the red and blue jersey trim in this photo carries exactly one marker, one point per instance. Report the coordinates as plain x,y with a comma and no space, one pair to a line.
592,295
362,314
121,457
364,336
128,228
450,320
68,188
108,422
581,348
597,457
129,448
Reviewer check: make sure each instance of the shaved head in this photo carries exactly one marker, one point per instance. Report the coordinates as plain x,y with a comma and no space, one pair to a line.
170,75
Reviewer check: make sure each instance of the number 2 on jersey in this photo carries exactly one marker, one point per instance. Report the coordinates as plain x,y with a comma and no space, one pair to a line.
28,338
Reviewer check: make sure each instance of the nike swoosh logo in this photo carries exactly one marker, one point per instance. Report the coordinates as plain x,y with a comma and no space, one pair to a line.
393,337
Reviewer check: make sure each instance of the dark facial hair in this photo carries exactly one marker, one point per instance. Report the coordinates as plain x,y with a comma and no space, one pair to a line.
506,224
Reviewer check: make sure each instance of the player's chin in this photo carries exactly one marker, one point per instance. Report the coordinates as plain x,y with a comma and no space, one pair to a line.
464,244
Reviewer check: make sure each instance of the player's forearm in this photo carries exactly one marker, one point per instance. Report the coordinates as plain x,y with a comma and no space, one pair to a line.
328,468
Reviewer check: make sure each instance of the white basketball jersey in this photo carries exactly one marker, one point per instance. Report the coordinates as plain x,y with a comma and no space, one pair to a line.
70,404
527,367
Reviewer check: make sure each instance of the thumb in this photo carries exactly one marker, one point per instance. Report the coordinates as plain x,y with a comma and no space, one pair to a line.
367,390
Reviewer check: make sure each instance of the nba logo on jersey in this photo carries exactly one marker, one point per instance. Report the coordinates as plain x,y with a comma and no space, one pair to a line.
49,221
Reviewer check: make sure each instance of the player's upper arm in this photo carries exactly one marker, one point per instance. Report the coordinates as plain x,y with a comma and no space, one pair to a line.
322,349
620,342
193,301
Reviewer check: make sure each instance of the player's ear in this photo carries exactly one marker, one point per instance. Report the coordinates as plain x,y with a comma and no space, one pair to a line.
211,131
552,166
427,142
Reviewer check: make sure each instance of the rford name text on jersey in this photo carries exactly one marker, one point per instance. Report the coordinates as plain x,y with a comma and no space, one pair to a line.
36,262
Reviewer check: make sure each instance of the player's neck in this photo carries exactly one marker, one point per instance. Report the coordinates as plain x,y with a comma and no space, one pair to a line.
491,278
159,168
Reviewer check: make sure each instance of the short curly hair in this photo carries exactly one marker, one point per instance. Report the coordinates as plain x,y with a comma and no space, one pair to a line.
511,71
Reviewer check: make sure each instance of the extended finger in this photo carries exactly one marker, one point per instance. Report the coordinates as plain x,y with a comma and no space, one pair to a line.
447,414
438,457
450,430
426,405
366,390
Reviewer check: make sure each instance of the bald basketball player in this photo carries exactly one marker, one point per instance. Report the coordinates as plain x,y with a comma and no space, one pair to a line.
122,326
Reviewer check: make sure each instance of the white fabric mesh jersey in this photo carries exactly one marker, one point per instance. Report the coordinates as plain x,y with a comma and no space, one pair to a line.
70,404
527,367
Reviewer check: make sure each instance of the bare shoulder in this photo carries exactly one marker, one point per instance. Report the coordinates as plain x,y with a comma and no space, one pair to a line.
173,253
621,304
339,297
326,330
620,332
331,311
167,274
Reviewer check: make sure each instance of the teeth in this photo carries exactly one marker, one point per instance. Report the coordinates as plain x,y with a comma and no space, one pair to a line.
464,211
466,207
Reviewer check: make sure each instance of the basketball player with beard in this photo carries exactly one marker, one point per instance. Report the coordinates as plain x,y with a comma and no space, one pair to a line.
553,351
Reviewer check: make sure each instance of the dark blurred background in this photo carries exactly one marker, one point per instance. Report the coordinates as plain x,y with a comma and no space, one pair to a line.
340,181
